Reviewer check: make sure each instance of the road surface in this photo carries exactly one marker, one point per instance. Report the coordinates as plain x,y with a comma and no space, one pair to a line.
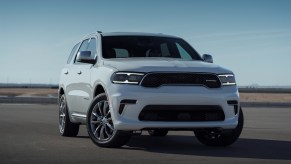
29,134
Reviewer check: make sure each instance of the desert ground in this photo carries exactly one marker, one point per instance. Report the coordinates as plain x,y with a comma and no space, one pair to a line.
245,97
28,92
265,97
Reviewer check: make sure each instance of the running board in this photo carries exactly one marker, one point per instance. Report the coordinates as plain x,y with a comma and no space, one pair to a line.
79,115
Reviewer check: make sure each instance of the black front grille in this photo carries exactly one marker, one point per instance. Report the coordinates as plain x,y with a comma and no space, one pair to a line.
182,113
158,79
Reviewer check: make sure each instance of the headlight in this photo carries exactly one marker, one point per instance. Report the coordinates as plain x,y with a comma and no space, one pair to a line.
127,77
227,79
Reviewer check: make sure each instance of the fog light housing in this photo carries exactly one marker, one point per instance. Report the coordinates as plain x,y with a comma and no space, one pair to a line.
235,105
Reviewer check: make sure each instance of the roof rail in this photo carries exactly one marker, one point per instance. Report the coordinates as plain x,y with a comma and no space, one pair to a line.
99,32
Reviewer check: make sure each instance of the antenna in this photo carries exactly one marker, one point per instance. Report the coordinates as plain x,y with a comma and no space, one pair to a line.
99,32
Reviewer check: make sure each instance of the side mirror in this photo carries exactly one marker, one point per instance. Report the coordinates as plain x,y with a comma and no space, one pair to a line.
85,57
207,58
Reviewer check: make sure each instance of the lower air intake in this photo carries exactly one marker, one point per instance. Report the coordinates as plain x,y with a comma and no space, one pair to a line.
182,113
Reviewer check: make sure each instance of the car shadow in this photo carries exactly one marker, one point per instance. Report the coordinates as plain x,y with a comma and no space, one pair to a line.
187,145
82,137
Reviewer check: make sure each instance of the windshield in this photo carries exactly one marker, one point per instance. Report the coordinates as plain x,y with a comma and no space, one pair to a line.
147,46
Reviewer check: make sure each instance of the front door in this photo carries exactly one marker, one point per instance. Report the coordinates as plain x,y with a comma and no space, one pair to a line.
81,93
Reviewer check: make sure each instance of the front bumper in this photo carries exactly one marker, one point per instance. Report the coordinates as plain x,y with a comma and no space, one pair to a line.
170,95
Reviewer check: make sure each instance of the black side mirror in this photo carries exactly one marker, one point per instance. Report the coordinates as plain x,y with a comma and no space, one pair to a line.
207,58
85,57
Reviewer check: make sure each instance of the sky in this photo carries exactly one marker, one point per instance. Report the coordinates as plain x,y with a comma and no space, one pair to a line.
250,37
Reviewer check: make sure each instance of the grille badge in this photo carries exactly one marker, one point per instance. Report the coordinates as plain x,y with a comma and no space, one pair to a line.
213,81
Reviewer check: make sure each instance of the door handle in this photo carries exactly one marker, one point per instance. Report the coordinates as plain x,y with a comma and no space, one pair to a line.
79,73
66,73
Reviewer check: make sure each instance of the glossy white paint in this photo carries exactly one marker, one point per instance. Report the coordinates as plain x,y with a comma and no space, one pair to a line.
79,82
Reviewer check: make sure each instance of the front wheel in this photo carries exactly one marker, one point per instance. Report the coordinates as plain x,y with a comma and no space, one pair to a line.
215,137
100,125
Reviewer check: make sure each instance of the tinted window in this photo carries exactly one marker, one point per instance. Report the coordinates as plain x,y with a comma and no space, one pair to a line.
92,47
121,53
73,52
89,45
165,50
84,45
147,46
184,54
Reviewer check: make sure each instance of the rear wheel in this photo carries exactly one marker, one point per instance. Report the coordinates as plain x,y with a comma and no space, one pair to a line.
158,132
218,138
100,125
66,127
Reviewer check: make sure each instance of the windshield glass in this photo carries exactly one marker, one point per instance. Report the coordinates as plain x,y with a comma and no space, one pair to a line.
147,46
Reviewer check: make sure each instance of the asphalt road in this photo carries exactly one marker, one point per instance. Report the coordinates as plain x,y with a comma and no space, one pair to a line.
29,134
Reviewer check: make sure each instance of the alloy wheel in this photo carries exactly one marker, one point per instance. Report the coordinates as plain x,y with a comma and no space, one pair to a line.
62,115
101,122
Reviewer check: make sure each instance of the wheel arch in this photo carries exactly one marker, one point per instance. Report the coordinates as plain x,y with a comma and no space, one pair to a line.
61,91
99,89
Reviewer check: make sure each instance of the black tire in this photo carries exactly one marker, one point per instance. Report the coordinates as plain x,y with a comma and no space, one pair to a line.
98,118
66,127
158,132
216,138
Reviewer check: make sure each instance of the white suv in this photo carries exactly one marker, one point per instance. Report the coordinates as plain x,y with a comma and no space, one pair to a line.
119,84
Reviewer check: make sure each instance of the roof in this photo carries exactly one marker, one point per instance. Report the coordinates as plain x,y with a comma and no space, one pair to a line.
136,34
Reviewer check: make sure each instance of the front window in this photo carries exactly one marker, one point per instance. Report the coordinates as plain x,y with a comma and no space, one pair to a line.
72,54
147,46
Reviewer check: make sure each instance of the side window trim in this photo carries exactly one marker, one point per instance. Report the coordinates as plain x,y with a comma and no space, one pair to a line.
85,40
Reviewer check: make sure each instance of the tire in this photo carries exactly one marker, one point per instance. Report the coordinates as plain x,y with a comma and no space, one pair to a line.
216,138
100,125
158,132
66,127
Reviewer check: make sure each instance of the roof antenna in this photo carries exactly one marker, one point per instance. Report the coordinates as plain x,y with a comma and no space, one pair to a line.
99,32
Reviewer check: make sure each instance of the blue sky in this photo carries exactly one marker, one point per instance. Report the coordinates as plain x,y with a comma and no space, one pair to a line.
250,37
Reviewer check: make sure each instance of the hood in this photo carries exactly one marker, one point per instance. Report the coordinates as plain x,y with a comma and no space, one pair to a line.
163,65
